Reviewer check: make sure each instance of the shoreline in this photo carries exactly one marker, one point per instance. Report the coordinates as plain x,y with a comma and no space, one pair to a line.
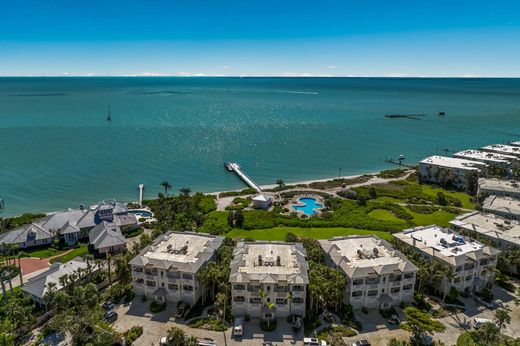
217,193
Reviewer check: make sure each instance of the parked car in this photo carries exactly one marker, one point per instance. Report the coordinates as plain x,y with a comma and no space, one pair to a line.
314,342
296,323
361,343
201,342
478,322
182,310
238,328
487,304
110,316
394,319
108,305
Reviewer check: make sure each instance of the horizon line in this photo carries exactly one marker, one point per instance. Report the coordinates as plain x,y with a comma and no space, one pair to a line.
251,76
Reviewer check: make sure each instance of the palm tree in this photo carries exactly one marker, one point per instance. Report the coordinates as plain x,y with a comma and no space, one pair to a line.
122,269
50,295
19,256
502,317
290,298
108,261
280,183
166,185
176,336
449,275
185,191
270,307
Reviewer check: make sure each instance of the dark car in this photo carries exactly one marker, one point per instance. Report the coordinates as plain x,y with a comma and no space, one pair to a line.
361,343
110,316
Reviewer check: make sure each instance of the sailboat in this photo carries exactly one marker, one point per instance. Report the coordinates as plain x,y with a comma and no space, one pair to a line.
109,116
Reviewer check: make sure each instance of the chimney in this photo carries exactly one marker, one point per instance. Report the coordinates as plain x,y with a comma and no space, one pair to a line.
260,260
278,261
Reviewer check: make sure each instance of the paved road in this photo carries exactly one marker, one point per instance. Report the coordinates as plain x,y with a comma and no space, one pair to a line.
157,325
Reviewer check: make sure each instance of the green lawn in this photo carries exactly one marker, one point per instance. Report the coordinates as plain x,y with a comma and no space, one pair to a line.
441,218
465,199
384,215
43,253
80,251
278,233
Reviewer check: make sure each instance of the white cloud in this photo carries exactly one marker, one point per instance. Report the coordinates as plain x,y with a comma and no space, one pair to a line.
190,74
304,74
333,67
225,67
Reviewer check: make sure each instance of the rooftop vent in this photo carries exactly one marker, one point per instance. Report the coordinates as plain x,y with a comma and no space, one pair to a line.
360,253
259,260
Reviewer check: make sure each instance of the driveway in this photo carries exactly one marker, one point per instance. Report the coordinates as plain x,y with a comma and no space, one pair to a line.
157,325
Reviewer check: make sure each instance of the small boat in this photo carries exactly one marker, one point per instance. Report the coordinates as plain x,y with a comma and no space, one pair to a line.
109,116
228,166
401,157
441,113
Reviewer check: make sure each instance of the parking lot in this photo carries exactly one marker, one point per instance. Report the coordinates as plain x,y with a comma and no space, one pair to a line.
157,325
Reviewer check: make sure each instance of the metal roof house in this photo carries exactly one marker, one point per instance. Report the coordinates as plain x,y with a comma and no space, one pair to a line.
106,238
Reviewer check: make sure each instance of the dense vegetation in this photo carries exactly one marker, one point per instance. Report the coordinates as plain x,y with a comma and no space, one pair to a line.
10,223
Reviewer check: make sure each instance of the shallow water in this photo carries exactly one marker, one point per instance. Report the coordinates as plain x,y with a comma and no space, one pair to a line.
58,150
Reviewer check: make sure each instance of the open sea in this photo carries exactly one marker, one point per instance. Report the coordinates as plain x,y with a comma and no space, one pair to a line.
57,149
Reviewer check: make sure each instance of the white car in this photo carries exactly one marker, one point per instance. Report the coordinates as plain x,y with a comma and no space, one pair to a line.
238,327
478,322
361,343
314,342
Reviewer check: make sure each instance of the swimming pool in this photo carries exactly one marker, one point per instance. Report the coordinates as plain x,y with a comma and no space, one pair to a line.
309,204
141,213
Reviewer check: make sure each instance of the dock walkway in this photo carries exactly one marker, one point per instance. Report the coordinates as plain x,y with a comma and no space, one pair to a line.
235,167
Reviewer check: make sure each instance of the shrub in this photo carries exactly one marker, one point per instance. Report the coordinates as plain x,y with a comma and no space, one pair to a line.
156,307
208,324
392,173
118,292
268,327
132,334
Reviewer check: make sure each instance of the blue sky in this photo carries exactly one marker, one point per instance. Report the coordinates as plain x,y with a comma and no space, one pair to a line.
249,37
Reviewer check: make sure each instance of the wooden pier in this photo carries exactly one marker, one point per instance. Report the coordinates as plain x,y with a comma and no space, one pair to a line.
397,162
235,167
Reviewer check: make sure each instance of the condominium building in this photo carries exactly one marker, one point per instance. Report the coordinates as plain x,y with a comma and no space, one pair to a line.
441,169
167,269
268,279
515,144
472,262
498,187
503,206
377,275
503,149
492,159
503,232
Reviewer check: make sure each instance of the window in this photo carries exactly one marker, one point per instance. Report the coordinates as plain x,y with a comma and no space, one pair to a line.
395,289
297,288
239,287
187,276
372,281
239,299
173,287
407,287
356,282
255,300
254,288
139,280
173,275
357,293
408,275
281,288
150,283
187,287
297,300
138,269
281,301
458,269
372,293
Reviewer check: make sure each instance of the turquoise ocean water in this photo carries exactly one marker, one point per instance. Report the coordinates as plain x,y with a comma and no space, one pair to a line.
57,150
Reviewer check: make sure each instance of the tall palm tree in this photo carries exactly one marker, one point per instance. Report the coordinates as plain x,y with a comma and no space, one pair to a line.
185,191
280,183
290,298
108,261
20,255
122,269
502,317
50,295
166,185
449,275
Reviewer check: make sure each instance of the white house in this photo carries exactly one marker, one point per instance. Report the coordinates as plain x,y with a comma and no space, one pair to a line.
268,279
491,158
436,169
498,187
503,206
262,201
378,276
472,262
167,269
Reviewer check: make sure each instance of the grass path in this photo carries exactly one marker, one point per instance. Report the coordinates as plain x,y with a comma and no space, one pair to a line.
279,233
